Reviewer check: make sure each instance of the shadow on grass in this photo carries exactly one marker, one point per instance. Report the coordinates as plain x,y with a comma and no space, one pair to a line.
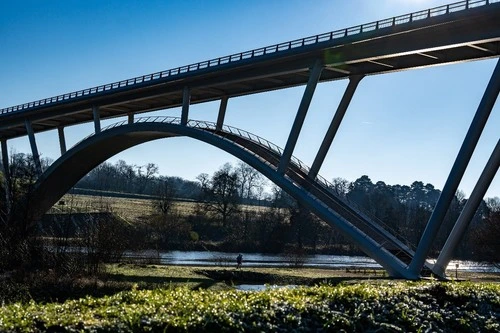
250,277
346,280
65,289
155,281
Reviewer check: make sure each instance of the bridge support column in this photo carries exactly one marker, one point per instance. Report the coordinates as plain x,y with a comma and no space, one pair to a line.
5,160
186,100
34,149
6,172
334,125
130,118
97,119
301,115
457,171
62,139
468,212
222,113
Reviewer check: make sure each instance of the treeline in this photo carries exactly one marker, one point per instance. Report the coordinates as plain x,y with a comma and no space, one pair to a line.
403,209
406,209
137,179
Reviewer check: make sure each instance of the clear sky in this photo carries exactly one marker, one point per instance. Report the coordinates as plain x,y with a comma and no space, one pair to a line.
399,127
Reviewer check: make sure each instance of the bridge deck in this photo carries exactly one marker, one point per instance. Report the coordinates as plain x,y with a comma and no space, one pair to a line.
464,31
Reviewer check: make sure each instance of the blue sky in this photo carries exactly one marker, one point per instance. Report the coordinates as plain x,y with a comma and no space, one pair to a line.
399,127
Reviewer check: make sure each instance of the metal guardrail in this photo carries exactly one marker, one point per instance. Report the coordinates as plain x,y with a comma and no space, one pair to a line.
311,40
212,127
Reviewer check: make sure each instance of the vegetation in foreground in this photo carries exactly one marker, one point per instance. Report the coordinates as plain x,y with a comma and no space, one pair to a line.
381,307
384,307
49,287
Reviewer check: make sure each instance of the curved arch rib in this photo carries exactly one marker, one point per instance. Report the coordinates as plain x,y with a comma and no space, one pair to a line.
251,149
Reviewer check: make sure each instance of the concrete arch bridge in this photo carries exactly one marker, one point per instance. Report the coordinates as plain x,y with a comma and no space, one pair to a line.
464,31
316,194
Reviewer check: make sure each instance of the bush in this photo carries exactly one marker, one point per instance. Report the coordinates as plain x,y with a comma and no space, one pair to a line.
385,307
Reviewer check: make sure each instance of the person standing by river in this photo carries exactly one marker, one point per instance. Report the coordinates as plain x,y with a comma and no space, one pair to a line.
239,260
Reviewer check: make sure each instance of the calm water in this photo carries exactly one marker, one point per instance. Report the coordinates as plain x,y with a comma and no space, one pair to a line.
206,258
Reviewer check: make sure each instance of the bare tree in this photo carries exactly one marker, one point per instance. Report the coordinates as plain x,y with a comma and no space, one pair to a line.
204,180
127,174
165,193
249,180
104,236
493,204
221,193
165,222
341,186
145,174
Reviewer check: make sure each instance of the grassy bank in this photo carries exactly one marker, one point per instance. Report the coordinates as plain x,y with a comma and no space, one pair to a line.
174,275
383,306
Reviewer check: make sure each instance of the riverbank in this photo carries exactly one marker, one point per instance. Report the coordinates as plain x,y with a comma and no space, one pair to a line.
200,276
49,287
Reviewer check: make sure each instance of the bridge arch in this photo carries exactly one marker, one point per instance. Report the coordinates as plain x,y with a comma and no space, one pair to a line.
95,149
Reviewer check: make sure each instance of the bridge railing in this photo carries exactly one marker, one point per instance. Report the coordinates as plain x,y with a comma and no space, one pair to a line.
311,40
305,169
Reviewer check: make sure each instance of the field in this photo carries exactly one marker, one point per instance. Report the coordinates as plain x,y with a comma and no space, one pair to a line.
127,208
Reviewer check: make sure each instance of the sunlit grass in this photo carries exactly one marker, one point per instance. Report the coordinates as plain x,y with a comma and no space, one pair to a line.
390,306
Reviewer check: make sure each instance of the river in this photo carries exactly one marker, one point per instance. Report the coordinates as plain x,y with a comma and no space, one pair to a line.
209,258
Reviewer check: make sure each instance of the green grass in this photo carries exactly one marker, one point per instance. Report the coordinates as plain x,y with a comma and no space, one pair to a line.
384,307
